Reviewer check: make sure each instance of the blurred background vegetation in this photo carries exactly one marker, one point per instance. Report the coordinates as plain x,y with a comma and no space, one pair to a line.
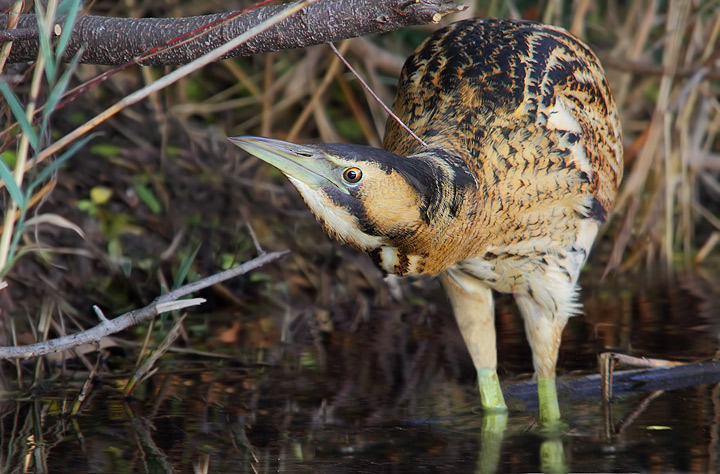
158,195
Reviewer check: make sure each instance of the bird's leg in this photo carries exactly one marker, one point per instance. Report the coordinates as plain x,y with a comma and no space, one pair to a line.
472,303
543,331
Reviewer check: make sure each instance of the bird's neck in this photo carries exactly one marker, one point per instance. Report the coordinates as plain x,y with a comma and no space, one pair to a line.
448,212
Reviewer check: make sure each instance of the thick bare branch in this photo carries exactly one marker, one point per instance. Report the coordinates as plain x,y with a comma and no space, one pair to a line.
115,41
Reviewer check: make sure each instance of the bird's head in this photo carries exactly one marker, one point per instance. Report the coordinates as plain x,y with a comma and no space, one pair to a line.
370,198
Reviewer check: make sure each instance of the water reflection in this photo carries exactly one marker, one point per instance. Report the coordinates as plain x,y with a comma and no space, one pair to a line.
234,429
676,431
393,393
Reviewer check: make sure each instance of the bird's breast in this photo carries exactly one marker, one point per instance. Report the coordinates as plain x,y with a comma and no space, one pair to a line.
393,261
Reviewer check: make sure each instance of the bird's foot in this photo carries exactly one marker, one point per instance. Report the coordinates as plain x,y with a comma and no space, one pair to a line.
491,396
549,417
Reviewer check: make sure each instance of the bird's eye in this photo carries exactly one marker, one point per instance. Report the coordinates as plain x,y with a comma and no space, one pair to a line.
352,175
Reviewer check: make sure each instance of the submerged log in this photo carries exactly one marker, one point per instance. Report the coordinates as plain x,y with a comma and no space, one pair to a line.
624,383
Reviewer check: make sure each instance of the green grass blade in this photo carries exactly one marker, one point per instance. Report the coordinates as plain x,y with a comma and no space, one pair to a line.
11,185
185,266
19,114
56,93
72,7
148,198
45,31
48,170
17,233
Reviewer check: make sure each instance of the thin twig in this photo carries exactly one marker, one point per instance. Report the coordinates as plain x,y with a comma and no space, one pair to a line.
639,409
367,88
112,326
254,238
641,361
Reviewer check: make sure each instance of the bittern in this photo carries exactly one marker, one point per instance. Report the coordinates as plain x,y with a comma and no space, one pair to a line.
522,163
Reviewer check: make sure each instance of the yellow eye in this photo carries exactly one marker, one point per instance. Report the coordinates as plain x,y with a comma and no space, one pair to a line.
352,175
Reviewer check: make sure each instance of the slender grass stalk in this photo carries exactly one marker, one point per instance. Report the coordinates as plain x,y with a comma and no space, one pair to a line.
22,159
317,94
47,65
14,12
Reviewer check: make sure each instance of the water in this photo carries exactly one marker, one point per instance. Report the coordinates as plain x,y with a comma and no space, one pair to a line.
257,431
393,394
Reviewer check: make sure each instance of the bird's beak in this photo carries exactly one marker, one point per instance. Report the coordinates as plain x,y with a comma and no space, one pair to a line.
302,162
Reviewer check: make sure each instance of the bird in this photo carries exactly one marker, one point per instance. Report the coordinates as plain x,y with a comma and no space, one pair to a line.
519,162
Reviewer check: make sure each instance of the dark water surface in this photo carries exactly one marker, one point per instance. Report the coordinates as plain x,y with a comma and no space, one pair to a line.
393,394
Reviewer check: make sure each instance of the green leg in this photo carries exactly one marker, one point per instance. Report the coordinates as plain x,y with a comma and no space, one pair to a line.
552,451
491,396
549,407
472,304
543,331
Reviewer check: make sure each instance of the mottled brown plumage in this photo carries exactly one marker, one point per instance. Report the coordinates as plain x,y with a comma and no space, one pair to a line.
492,94
522,165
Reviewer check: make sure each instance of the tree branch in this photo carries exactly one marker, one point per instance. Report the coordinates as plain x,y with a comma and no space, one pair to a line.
166,302
115,41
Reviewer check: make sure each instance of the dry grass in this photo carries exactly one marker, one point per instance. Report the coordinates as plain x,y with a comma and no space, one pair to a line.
160,194
167,183
671,118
